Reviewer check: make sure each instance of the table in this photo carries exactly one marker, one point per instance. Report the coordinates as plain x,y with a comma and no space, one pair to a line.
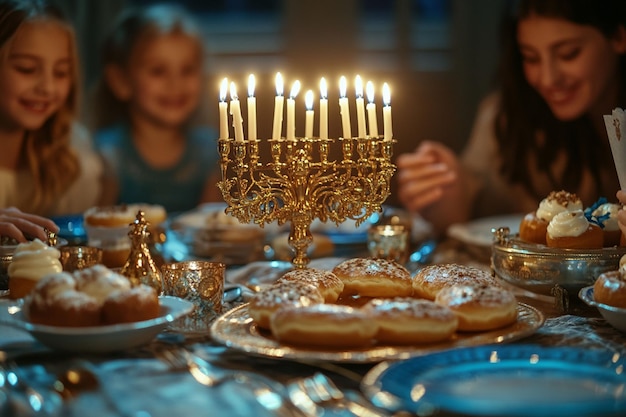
135,383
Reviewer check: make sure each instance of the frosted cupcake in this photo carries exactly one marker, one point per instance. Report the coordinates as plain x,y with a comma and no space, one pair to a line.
572,230
606,216
31,262
534,226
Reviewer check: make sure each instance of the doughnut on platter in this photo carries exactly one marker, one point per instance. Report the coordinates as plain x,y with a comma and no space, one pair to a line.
237,330
292,321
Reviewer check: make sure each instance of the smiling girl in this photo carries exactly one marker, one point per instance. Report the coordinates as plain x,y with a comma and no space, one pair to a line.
151,89
46,164
563,67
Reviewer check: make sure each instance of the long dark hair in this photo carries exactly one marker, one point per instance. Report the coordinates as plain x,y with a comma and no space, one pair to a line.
524,116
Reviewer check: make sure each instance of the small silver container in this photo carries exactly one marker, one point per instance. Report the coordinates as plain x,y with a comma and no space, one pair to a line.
549,271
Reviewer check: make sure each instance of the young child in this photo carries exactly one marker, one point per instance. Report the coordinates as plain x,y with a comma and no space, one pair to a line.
151,88
46,164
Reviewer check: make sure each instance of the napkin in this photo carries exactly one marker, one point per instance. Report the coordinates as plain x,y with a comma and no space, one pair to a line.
616,129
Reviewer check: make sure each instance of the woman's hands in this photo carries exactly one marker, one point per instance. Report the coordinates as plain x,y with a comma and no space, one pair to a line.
431,182
17,225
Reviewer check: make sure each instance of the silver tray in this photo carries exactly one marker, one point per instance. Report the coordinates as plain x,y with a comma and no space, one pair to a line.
544,270
236,330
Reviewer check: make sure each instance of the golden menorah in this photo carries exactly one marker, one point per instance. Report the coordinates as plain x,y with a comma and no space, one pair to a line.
300,184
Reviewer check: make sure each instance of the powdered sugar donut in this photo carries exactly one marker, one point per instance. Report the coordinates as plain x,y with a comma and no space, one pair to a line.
433,278
479,307
369,277
325,281
408,321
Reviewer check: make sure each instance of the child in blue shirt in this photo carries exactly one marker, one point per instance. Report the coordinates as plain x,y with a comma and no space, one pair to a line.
150,92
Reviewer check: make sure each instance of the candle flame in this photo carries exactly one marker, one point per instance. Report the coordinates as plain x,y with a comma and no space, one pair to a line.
223,89
323,88
369,89
279,84
251,85
386,95
308,100
295,89
233,91
358,86
343,86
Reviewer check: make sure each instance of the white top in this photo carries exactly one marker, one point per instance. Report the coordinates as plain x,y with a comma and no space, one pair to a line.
15,187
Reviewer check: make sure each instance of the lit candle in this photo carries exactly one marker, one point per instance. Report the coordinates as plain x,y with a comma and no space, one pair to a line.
223,110
360,106
344,107
291,110
371,109
278,108
308,125
323,109
251,108
387,112
235,111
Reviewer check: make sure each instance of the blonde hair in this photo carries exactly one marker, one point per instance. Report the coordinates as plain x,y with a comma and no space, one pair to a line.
133,27
47,151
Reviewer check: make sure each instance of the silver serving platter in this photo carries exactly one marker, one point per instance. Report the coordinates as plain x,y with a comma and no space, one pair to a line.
544,270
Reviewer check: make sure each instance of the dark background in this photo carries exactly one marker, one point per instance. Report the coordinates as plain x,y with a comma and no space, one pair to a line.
438,56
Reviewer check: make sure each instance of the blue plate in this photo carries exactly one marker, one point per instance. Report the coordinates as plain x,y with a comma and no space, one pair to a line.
522,380
71,228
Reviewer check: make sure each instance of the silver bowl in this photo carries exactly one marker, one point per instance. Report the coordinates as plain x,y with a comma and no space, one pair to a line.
549,271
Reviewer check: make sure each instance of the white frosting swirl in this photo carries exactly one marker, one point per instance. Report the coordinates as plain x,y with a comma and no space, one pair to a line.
34,260
568,224
610,223
556,203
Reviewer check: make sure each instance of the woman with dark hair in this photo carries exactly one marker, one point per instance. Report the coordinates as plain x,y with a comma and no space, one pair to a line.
563,66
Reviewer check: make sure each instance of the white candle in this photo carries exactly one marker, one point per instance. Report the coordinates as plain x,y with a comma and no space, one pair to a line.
278,108
323,109
235,111
360,106
371,109
344,108
291,110
251,108
308,124
387,112
223,110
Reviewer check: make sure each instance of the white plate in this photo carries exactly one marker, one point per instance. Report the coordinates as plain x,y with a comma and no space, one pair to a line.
523,380
236,330
478,232
111,338
614,315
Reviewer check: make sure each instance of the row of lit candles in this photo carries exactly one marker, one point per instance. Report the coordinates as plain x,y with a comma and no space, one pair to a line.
235,110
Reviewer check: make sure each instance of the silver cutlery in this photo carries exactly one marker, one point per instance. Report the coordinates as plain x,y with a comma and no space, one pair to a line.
20,398
316,393
267,393
80,377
